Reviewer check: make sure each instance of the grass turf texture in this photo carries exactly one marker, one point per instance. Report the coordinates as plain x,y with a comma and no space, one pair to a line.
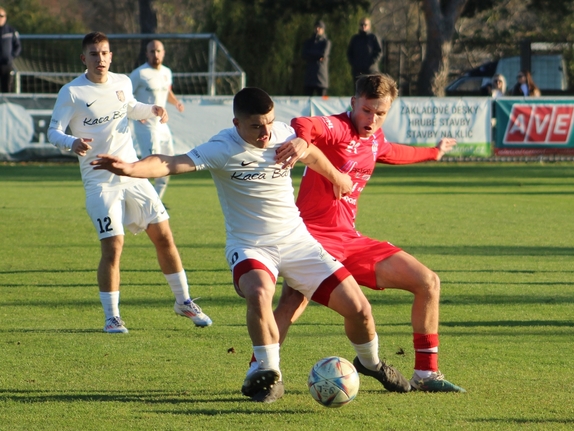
499,235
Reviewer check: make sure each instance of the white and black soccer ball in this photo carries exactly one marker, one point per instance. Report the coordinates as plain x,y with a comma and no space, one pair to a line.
333,382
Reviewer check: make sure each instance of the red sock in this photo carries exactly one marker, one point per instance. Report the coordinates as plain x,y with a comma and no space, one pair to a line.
252,358
426,351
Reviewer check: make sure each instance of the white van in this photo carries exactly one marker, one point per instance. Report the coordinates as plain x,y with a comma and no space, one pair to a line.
548,72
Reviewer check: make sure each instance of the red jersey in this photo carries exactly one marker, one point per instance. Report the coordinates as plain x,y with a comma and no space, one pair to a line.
328,219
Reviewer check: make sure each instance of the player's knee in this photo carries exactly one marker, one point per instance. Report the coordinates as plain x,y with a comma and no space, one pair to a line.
112,248
360,312
164,242
431,284
256,294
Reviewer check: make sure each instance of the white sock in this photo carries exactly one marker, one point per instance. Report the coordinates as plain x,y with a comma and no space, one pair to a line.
368,353
178,284
111,303
266,357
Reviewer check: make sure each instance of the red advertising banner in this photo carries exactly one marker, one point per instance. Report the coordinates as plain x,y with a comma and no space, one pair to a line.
534,126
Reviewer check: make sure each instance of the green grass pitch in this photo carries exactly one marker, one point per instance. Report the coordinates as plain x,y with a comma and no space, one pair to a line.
500,236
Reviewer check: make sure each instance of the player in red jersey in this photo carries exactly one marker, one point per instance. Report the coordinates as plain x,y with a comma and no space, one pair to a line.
354,142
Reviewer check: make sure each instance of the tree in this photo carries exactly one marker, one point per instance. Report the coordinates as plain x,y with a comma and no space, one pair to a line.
37,17
148,24
266,36
440,18
148,17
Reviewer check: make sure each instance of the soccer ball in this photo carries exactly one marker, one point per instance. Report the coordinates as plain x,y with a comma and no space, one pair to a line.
333,382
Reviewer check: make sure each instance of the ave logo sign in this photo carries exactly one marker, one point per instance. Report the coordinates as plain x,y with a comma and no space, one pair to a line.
539,124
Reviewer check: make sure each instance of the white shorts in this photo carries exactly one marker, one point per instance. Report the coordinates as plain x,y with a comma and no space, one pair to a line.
303,263
153,138
135,206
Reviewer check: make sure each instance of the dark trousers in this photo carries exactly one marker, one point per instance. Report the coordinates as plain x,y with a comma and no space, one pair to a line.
6,78
310,91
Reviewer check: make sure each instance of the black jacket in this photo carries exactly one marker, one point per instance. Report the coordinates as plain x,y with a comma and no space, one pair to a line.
316,52
9,44
364,53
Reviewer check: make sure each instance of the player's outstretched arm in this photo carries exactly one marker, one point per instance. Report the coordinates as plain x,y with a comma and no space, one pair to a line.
154,166
316,160
444,146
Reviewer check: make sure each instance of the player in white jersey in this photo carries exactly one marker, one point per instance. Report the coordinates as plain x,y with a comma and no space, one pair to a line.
152,84
96,107
266,237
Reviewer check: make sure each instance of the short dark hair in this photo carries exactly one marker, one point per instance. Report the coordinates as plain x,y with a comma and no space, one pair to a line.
252,101
376,86
94,37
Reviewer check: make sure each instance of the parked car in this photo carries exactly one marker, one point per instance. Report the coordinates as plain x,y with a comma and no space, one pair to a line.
548,72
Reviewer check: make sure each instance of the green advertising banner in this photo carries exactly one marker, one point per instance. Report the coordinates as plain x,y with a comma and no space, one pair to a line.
534,126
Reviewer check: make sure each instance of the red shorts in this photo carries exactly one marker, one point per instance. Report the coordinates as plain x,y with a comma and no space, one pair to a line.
359,254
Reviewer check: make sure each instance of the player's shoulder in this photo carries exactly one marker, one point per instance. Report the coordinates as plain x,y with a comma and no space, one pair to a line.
283,131
120,80
337,122
218,149
74,85
138,70
118,77
225,137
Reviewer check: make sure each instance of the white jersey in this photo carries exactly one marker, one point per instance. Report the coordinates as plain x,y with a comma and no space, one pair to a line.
256,195
99,112
152,86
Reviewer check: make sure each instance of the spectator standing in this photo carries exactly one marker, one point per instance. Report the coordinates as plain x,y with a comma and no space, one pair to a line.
525,85
364,51
152,84
316,52
10,48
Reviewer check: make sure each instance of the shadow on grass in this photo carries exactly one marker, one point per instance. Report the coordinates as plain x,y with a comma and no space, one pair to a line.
510,323
94,284
521,421
478,299
490,250
50,331
150,397
128,300
504,271
93,270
